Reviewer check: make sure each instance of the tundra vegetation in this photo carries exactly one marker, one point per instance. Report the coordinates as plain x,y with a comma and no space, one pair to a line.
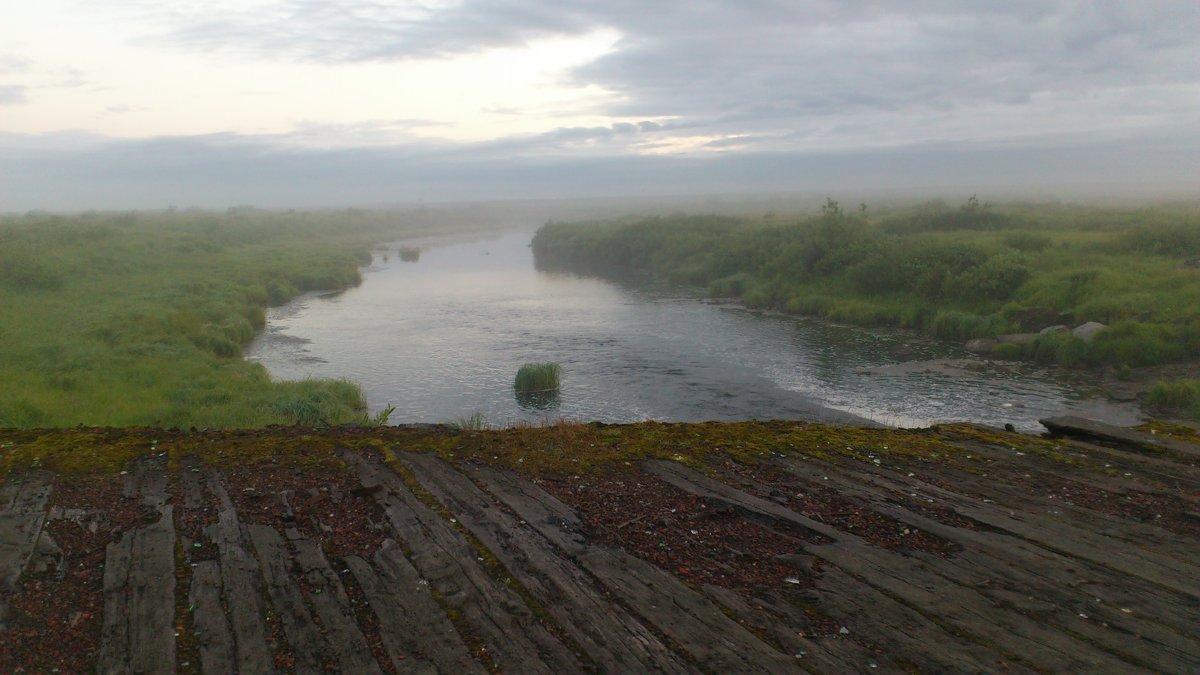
972,271
538,377
140,318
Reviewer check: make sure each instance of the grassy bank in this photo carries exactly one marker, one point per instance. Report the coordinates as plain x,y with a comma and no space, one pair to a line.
140,318
961,272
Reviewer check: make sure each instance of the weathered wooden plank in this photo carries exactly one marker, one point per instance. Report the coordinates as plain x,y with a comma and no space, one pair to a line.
1019,637
138,632
1076,542
21,521
240,584
824,654
416,632
147,482
500,618
614,639
1131,438
305,639
689,481
1175,474
698,626
913,582
902,633
208,616
332,607
1086,600
193,486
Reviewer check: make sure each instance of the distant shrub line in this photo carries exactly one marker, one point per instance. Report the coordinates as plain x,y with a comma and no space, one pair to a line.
160,307
959,273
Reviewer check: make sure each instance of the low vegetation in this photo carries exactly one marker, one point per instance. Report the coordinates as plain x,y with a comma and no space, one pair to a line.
1180,398
972,271
538,377
141,318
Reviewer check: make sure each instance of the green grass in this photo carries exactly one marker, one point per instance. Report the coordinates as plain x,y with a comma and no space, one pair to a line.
536,377
957,273
115,319
1177,397
473,422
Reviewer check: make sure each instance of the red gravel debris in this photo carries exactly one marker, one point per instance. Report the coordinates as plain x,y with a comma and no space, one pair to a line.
57,614
827,505
701,541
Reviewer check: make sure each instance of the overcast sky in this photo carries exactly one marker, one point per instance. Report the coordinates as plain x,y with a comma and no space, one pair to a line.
146,103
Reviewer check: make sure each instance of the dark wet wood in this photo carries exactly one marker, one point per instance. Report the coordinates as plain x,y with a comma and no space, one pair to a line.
451,565
208,616
613,638
328,599
138,632
1079,596
416,632
917,584
482,569
22,516
701,629
241,584
304,637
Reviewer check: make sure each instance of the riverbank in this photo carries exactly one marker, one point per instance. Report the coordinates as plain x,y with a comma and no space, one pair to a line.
141,318
958,273
755,546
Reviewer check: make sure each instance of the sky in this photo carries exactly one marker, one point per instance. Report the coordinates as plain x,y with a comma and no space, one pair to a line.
151,103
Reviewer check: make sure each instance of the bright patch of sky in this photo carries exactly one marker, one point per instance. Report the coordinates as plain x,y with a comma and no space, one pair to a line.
104,72
466,87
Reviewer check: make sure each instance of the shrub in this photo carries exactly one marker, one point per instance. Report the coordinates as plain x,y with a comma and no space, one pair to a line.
1027,242
1181,397
732,286
538,377
998,278
965,326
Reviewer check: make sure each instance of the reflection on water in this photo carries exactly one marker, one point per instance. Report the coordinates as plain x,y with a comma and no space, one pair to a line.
542,401
442,336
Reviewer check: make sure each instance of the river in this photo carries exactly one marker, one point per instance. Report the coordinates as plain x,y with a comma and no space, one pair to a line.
441,338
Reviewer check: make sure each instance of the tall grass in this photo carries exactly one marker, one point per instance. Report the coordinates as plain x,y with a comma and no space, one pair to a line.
973,271
537,377
1179,397
140,318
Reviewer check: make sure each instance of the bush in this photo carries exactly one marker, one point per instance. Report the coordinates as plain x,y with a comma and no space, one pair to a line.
538,377
1027,242
966,326
732,286
1181,397
997,279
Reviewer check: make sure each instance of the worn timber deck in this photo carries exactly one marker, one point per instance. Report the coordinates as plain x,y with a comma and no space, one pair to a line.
1071,557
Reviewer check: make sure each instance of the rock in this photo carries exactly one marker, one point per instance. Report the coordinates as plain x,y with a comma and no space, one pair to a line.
1020,339
1191,264
981,345
1055,330
1088,331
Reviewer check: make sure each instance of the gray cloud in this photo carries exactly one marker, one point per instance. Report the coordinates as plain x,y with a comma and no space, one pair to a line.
225,169
13,94
1019,67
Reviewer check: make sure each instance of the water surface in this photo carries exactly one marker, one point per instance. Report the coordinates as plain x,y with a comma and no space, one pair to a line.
442,338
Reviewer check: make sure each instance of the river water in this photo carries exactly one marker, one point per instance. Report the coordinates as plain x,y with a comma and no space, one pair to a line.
441,338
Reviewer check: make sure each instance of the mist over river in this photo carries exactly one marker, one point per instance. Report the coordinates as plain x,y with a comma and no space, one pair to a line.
441,338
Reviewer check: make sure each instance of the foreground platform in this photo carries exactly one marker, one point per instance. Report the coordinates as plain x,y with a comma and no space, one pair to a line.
750,547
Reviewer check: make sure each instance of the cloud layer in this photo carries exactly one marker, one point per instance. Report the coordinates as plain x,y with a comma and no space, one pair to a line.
696,95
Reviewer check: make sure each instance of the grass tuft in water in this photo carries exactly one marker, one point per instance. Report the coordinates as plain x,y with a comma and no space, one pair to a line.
473,422
538,377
